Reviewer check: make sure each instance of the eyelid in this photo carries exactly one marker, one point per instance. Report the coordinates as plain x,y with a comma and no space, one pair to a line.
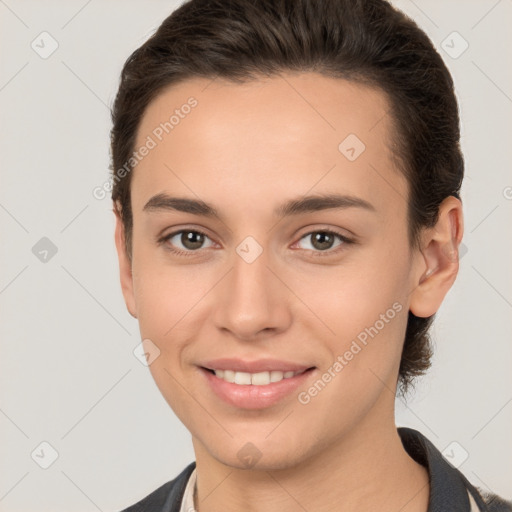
321,228
164,234
163,239
345,240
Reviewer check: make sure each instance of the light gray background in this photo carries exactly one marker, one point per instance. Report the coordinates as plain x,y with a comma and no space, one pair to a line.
67,369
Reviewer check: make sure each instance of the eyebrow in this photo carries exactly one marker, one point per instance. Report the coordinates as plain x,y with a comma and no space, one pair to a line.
307,204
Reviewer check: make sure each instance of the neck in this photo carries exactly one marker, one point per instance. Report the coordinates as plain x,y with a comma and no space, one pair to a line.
366,469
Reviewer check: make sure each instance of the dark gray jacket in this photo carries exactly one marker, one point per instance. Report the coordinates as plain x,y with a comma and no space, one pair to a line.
450,490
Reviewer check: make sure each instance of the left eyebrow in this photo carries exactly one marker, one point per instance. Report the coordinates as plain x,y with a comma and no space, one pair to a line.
314,203
308,204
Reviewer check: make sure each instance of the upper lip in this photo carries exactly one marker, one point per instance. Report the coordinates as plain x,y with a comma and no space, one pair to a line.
256,366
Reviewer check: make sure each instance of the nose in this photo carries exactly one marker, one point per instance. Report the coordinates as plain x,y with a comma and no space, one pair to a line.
252,302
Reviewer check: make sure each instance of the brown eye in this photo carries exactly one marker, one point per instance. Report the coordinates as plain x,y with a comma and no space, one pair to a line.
187,240
324,241
192,239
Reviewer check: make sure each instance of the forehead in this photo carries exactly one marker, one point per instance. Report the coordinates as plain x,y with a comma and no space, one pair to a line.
267,137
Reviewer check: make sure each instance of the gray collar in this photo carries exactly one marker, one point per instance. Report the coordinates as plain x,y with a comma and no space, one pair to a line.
449,488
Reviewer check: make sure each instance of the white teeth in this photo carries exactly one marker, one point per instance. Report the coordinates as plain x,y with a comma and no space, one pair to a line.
256,379
242,378
229,375
276,376
260,379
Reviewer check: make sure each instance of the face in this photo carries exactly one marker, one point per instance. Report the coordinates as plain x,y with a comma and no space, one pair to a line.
270,249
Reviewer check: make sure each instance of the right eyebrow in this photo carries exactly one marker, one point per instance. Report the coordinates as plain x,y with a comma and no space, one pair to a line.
194,206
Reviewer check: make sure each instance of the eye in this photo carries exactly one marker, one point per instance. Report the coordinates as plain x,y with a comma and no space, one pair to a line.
186,241
324,240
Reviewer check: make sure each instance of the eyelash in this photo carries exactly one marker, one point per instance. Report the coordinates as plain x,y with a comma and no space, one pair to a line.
329,252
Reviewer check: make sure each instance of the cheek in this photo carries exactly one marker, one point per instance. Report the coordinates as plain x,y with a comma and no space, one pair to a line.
352,295
173,309
363,362
364,308
162,291
167,299
167,307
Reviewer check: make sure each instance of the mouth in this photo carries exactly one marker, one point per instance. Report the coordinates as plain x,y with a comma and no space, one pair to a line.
254,385
255,379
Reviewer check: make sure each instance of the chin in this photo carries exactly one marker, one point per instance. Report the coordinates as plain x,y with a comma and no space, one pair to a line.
259,454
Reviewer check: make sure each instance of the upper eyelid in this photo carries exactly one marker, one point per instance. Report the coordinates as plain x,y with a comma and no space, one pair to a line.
166,236
172,234
343,238
324,228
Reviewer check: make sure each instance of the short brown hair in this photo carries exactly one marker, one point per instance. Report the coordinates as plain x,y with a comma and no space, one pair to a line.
365,41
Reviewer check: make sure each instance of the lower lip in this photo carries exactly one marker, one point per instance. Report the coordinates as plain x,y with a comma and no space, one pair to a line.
249,396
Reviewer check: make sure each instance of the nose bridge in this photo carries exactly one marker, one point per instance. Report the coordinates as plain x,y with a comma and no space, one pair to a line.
250,299
250,273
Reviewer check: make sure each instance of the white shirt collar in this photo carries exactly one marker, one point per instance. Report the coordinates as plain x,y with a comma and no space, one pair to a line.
187,504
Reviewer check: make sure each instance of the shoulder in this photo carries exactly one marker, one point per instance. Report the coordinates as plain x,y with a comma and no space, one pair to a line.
495,503
449,487
167,498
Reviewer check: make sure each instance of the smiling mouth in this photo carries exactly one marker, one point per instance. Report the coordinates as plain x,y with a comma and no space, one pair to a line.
255,379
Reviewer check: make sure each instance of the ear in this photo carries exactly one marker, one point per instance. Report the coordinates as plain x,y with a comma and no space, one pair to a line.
125,265
439,265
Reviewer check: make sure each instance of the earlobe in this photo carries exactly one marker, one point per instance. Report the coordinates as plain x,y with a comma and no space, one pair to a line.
125,266
439,265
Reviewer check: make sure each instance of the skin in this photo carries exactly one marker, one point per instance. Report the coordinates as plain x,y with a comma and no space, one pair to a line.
247,149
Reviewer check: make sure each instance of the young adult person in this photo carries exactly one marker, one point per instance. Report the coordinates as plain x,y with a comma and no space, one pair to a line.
286,185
